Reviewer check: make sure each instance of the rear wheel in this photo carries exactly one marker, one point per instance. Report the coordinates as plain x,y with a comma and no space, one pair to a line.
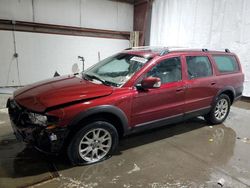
93,143
219,111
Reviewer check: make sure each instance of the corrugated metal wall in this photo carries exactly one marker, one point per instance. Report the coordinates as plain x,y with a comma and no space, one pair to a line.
40,55
212,24
99,14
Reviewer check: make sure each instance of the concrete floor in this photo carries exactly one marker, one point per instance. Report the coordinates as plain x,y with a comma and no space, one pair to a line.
190,154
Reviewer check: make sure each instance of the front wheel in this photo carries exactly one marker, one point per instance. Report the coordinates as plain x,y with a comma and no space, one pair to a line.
93,143
219,111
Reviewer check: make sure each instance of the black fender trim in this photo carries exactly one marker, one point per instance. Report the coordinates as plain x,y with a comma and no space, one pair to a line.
227,88
103,109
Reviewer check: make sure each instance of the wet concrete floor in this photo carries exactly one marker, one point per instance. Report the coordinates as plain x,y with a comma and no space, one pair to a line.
189,154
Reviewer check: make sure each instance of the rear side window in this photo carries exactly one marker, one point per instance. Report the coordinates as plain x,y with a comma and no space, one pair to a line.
198,67
226,63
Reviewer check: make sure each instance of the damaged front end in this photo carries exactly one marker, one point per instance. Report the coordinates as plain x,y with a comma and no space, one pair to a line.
40,130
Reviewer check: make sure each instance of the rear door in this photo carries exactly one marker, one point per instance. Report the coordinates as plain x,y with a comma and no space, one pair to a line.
200,83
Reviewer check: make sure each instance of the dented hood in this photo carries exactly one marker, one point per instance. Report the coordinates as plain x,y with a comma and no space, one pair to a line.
57,91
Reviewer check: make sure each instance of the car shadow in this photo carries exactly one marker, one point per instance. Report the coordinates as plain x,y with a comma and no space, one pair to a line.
153,135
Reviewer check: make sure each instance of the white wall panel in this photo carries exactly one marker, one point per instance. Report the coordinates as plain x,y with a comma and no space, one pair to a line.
125,17
8,64
40,55
98,14
16,10
63,12
212,24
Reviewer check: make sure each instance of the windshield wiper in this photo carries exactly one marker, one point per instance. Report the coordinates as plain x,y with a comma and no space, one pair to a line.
99,79
95,77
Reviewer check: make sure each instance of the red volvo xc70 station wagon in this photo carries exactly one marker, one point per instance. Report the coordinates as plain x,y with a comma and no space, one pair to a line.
137,89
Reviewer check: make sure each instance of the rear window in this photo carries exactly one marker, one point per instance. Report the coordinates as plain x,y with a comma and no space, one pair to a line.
226,63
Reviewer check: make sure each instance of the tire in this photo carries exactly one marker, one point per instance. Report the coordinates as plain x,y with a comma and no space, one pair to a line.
219,111
87,147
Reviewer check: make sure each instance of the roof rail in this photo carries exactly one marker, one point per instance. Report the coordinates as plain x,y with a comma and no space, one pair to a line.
226,50
164,51
160,49
168,49
139,47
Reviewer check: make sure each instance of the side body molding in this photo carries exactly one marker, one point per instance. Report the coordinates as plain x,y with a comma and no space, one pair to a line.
103,109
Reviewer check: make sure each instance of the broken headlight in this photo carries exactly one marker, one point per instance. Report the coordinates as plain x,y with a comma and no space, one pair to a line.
38,119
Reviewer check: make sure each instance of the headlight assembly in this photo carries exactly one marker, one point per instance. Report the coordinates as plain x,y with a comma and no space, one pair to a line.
38,119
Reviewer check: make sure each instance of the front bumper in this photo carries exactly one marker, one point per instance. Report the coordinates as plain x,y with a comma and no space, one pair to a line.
47,140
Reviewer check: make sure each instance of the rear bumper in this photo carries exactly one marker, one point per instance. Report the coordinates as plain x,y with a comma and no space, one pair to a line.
238,93
46,140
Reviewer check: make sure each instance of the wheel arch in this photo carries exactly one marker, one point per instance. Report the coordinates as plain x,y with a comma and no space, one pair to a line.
229,90
110,113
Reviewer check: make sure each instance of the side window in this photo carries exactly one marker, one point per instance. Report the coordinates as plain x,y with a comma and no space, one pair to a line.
198,67
226,63
168,70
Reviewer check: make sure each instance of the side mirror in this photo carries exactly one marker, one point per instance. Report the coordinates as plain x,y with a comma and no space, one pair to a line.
151,82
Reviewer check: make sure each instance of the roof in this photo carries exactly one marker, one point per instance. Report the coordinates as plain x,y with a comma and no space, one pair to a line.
152,51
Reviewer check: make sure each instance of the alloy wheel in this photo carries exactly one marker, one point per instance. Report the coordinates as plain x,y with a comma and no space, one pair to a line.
221,109
95,145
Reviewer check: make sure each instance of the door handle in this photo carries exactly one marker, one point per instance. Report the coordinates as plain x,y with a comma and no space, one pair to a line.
179,89
213,83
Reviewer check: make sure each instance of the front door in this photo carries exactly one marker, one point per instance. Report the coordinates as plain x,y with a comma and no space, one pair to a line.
164,102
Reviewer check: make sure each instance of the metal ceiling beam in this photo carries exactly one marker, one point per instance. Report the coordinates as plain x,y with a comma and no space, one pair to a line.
11,25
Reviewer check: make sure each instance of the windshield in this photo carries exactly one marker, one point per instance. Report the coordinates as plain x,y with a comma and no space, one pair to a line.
115,70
